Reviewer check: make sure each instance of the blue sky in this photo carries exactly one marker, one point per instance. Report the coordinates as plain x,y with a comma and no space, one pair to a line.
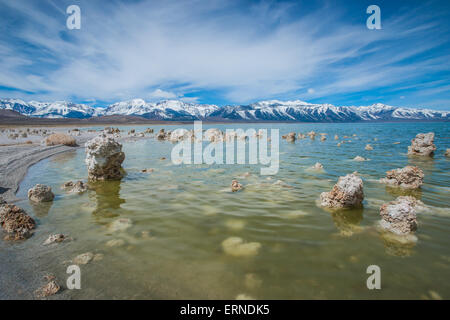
227,52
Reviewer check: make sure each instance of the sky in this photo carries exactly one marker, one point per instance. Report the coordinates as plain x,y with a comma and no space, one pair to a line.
227,52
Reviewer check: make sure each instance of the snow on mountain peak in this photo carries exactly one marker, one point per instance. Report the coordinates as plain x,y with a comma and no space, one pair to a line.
269,110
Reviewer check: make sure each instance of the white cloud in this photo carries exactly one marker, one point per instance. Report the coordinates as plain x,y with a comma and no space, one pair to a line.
161,94
184,46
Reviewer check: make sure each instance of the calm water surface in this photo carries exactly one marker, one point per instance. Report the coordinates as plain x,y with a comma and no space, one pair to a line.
181,215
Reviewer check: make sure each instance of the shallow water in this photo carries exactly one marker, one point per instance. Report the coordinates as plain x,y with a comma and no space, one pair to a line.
181,215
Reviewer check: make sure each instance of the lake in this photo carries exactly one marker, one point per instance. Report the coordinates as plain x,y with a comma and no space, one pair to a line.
180,215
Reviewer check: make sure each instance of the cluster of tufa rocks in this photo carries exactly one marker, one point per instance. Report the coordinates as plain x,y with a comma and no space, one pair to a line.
346,193
422,145
408,177
104,158
399,216
16,222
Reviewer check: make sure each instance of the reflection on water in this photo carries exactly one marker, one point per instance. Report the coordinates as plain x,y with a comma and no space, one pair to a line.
106,196
162,233
397,192
41,209
348,221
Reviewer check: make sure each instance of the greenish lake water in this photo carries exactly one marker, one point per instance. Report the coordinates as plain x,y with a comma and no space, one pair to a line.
181,215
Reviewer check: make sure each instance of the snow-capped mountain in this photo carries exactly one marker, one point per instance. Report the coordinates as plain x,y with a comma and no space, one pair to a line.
58,109
272,110
275,110
163,110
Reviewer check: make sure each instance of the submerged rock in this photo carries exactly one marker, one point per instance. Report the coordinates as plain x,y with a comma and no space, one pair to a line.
408,177
447,153
346,193
149,170
317,166
104,158
422,145
41,193
336,137
359,158
399,216
115,243
236,247
83,258
16,222
120,225
236,186
368,147
54,238
77,187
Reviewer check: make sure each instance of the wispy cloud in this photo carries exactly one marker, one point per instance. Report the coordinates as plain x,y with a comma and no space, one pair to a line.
244,51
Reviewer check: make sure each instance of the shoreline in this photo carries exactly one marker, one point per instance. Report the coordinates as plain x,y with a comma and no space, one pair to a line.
16,159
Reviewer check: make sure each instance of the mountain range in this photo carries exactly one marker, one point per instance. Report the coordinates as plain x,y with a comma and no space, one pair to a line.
273,110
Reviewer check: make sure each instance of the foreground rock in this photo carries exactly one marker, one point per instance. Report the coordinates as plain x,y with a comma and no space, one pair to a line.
49,289
399,216
60,138
41,193
104,158
359,158
346,193
408,177
75,187
16,222
422,145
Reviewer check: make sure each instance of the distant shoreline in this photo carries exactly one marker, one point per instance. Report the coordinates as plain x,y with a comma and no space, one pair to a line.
38,122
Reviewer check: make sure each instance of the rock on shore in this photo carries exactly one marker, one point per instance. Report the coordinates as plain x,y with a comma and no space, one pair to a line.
16,222
422,145
408,177
60,138
41,193
399,216
104,158
346,193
